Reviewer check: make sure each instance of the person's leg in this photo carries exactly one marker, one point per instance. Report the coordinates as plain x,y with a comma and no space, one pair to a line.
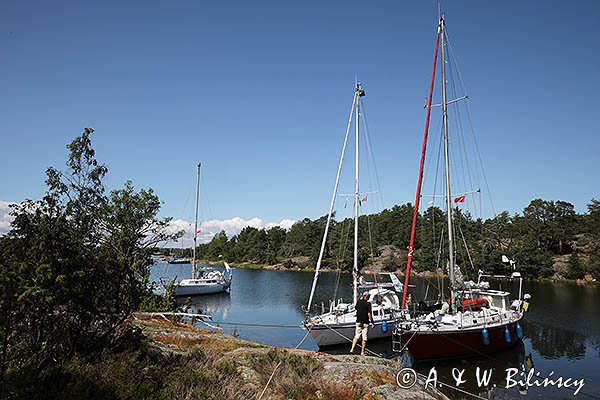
364,339
357,334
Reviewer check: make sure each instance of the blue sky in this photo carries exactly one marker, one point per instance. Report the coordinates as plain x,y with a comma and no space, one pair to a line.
259,92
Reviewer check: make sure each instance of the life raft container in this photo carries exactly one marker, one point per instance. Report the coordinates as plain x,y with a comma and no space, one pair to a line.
473,304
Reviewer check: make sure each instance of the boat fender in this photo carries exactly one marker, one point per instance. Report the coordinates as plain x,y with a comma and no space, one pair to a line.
384,326
526,299
519,331
507,335
485,335
529,361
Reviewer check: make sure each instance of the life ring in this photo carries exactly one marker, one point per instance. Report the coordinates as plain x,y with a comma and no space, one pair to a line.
473,304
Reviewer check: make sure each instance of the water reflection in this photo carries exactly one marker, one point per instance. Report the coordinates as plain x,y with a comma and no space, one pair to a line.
494,364
552,342
209,305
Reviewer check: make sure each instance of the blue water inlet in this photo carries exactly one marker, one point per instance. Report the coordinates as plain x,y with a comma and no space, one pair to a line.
485,335
519,331
507,335
384,326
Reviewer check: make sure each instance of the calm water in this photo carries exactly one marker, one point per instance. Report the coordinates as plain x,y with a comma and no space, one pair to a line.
562,329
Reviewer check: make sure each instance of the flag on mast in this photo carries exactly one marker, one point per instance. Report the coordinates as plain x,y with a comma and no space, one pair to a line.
460,199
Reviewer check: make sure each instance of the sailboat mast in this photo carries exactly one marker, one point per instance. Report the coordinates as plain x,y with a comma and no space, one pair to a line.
331,206
196,222
411,246
447,161
359,93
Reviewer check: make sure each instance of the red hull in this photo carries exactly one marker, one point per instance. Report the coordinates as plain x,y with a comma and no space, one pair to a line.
434,344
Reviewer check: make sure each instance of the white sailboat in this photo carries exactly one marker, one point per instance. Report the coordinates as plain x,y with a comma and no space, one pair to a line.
204,280
337,326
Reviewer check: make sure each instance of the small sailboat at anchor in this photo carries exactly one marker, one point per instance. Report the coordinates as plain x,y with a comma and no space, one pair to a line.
204,280
475,319
337,326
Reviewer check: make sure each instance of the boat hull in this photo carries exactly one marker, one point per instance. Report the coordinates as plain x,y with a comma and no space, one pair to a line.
427,345
337,334
193,290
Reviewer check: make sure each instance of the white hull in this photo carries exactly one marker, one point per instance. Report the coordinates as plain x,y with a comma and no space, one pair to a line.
193,290
339,325
338,334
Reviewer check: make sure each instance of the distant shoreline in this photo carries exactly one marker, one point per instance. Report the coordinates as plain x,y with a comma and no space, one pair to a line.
400,274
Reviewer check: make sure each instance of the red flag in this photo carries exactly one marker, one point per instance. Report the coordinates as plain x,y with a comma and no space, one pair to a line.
199,230
365,198
460,199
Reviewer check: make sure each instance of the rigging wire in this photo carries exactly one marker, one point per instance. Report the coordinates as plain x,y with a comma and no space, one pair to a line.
435,185
439,260
462,148
438,141
342,251
371,155
209,214
462,171
467,250
185,213
470,119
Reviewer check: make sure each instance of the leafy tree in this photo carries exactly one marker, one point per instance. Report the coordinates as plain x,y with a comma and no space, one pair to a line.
72,269
251,245
552,222
391,263
497,238
575,270
304,238
217,248
594,264
275,239
130,231
593,218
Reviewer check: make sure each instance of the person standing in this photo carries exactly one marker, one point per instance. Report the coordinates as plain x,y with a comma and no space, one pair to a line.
364,315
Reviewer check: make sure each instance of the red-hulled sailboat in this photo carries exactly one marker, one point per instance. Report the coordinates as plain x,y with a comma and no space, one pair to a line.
475,319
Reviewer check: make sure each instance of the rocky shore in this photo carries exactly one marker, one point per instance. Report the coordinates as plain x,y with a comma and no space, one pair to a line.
222,366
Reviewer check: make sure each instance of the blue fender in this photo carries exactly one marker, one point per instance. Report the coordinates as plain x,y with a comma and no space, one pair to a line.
485,335
519,331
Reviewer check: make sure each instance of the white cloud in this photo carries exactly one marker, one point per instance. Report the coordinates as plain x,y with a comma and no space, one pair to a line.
5,217
208,229
285,224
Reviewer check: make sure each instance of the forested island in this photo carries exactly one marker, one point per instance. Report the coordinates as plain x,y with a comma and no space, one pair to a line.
547,240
